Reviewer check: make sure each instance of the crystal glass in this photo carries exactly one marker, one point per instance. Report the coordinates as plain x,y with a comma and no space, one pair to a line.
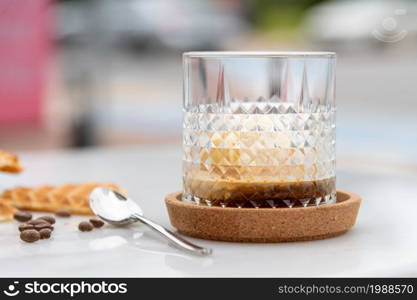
259,129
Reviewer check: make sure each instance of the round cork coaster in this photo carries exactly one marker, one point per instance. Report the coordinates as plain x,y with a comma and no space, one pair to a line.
264,225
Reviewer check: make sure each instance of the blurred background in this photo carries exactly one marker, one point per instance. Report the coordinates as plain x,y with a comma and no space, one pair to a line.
95,73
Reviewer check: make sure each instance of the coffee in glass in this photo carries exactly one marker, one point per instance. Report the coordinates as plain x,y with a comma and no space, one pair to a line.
259,129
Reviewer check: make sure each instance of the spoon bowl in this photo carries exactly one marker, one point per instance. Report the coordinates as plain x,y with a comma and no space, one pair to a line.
117,209
113,207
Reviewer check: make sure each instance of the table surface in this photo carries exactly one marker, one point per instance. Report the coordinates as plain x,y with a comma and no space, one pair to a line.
382,243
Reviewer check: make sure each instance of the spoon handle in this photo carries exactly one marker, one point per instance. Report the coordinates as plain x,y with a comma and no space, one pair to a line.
175,239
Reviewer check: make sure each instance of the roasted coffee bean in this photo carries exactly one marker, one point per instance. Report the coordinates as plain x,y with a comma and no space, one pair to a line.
38,221
63,213
22,216
25,226
49,219
85,226
97,223
45,233
42,226
30,235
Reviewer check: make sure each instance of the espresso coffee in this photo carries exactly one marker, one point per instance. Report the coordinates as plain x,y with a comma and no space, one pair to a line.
229,193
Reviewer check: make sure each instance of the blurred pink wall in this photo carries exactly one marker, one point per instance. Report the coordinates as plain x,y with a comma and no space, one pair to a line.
25,46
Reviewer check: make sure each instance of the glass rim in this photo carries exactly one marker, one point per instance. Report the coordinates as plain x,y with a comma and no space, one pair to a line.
258,54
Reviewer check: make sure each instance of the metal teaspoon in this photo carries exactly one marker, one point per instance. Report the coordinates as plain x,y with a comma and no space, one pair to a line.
116,209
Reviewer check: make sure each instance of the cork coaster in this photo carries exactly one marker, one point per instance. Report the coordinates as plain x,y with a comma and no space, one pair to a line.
264,225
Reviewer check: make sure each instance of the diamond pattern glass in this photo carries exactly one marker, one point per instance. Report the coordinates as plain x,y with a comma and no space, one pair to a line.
259,129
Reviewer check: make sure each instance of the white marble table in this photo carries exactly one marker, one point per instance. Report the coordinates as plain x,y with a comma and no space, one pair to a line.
383,243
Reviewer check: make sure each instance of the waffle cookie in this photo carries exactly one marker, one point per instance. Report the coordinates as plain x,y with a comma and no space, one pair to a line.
6,210
71,197
9,162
